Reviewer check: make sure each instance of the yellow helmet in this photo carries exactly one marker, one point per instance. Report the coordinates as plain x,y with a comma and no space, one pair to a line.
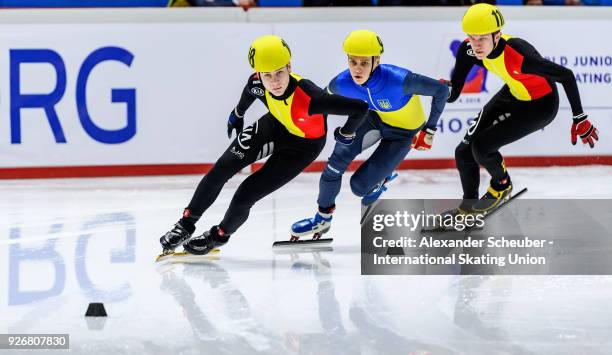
363,43
482,19
269,53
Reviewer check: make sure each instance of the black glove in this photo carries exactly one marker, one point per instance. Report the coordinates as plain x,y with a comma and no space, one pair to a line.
450,87
343,138
234,122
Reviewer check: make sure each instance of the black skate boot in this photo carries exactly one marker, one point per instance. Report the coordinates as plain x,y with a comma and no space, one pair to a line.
205,243
175,237
497,193
465,208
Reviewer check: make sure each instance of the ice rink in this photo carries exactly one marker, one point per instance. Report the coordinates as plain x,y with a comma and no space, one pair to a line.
67,242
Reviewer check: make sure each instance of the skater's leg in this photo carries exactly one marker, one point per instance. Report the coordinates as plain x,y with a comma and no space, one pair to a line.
280,168
245,149
469,170
292,157
380,164
331,178
520,121
250,145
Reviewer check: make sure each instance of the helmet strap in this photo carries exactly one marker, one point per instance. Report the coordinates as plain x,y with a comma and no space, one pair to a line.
371,72
493,39
372,69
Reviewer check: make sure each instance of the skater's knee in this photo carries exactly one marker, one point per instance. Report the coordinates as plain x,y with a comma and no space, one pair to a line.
213,179
243,200
463,152
332,172
221,172
359,186
480,150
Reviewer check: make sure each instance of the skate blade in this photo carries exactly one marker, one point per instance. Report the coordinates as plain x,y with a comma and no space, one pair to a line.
440,229
486,215
304,249
506,203
450,229
183,256
164,256
323,242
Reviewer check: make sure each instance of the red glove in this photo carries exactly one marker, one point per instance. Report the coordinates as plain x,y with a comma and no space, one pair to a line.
582,127
424,139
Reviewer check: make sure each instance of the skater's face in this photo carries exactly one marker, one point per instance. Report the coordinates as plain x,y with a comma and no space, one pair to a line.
483,45
361,67
276,82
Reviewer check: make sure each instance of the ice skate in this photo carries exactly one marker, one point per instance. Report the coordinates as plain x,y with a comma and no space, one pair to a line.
172,239
206,242
465,207
368,201
502,203
373,196
494,197
315,227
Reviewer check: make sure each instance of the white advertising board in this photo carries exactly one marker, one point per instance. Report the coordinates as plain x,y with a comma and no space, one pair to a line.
97,94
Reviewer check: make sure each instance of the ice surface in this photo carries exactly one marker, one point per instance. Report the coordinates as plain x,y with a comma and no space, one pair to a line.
65,243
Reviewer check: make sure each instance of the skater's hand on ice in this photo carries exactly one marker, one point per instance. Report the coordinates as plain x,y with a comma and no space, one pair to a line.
234,122
423,140
343,138
582,127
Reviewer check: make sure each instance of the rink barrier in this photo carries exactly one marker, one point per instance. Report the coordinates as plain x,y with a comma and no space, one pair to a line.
127,118
536,161
318,166
103,171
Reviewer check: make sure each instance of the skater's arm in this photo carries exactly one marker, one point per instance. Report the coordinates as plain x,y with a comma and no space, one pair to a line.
355,109
252,86
331,104
425,86
534,63
332,87
463,64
